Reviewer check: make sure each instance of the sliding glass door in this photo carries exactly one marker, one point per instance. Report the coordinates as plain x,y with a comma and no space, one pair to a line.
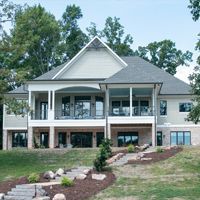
81,140
126,138
19,139
82,107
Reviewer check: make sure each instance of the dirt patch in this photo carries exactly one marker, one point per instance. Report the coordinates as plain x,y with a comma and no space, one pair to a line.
157,156
82,189
6,186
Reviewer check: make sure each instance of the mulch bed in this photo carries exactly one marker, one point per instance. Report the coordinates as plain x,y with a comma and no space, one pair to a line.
6,186
157,156
82,189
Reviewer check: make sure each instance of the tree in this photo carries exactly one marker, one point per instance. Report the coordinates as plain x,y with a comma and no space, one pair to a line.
113,32
165,55
195,9
93,31
35,37
7,12
73,39
194,115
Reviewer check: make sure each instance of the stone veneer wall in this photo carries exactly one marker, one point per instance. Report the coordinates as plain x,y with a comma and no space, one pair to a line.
195,134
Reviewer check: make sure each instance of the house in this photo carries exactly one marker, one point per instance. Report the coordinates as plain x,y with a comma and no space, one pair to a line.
98,94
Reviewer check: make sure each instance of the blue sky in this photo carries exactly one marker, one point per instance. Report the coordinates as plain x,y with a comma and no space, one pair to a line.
145,20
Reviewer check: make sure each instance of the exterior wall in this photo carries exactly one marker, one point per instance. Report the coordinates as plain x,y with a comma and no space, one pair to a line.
93,64
195,134
173,117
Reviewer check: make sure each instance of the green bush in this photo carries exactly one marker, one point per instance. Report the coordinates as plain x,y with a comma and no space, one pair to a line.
33,178
159,150
131,148
67,182
104,153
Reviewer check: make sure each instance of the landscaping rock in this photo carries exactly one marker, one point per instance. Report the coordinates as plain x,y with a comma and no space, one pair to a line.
81,177
60,171
49,175
99,177
59,197
114,158
2,196
41,198
86,171
146,158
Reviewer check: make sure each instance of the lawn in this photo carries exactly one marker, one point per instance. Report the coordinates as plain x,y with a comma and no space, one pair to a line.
177,178
23,162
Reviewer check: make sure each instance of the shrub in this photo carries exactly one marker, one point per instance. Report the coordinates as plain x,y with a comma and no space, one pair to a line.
104,153
131,148
159,150
33,178
66,182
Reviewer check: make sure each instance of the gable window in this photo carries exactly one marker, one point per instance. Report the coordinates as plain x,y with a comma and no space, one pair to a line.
185,107
163,107
180,138
66,106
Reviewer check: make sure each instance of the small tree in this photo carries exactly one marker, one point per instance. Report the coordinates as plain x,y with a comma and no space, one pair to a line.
104,153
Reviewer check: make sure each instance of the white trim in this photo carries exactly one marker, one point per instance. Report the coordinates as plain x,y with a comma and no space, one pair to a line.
15,128
179,125
82,50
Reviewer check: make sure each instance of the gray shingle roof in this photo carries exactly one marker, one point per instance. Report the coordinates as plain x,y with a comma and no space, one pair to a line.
19,90
141,71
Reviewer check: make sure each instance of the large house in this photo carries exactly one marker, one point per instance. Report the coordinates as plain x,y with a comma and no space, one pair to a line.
98,94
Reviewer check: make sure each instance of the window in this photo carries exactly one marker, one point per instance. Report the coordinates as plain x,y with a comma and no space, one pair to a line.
135,105
99,106
144,108
163,107
82,107
127,138
19,139
66,106
81,139
180,138
185,107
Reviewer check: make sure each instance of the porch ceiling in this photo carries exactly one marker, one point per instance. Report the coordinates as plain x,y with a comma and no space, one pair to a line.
79,90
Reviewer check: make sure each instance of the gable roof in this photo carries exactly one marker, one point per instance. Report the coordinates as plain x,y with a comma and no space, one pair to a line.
19,90
96,42
141,71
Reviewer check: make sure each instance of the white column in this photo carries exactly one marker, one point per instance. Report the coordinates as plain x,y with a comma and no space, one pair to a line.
30,137
5,139
53,104
51,137
154,112
153,135
29,102
109,131
107,112
131,102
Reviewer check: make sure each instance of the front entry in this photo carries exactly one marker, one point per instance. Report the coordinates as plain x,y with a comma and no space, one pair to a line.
126,138
159,138
99,137
81,140
44,139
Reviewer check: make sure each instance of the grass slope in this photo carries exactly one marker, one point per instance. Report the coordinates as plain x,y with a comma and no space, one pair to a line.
177,178
23,162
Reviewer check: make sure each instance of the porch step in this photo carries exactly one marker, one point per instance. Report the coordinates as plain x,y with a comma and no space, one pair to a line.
123,160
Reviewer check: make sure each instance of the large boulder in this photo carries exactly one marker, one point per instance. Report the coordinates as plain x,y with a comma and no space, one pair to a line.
114,158
81,177
60,171
59,197
86,171
2,196
99,177
49,175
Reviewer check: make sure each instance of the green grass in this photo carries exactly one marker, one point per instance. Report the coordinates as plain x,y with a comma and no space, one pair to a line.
177,178
18,163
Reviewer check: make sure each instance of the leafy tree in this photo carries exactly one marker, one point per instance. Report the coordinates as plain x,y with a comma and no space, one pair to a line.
73,39
35,37
165,55
194,115
93,31
195,9
113,32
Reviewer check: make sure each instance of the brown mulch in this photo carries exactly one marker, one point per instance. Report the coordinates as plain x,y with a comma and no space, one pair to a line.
6,186
82,189
157,156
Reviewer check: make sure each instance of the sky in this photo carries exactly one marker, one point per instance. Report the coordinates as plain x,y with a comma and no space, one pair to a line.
146,20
